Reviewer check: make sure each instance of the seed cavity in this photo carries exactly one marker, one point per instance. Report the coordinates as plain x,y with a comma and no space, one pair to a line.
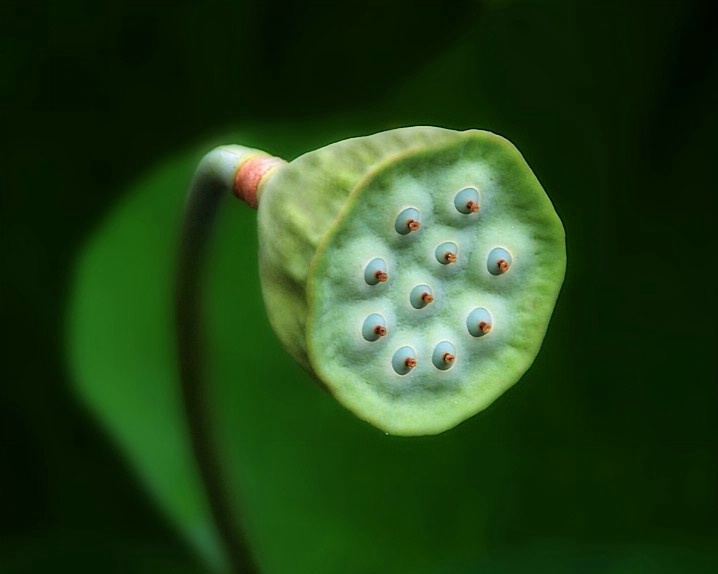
374,327
421,296
498,261
407,221
479,322
467,201
446,253
444,355
404,360
375,272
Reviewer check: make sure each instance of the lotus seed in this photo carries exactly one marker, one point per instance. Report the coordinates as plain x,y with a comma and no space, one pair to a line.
421,296
499,261
467,201
479,322
404,360
444,355
374,327
446,253
407,221
375,272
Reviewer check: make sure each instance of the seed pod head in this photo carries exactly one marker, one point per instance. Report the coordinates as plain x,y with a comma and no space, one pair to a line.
413,272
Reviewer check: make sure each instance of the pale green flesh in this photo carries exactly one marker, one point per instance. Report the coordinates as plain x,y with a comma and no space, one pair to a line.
515,214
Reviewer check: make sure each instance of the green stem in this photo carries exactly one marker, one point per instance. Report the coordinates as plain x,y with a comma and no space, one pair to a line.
213,180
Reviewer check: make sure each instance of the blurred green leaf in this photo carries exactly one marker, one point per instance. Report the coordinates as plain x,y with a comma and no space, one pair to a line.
121,348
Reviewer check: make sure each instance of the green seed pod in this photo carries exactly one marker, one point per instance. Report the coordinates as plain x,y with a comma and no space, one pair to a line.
349,231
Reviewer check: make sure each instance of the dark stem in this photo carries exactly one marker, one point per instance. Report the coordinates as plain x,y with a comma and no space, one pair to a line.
208,190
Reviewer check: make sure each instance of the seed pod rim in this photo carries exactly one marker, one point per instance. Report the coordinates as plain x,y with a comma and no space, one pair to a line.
552,230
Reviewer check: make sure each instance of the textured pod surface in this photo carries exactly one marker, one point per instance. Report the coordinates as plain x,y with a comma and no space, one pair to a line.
515,215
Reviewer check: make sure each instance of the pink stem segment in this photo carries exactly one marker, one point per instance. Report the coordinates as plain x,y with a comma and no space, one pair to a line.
250,174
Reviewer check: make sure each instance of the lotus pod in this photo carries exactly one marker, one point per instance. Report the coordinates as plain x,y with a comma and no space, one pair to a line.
412,272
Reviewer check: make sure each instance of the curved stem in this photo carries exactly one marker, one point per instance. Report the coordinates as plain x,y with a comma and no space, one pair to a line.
214,179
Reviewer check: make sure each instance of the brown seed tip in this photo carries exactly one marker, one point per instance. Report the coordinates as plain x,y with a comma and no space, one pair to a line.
380,330
449,358
410,362
381,276
427,297
503,265
413,224
485,327
450,257
472,206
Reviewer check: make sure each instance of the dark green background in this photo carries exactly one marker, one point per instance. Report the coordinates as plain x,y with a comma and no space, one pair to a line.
613,106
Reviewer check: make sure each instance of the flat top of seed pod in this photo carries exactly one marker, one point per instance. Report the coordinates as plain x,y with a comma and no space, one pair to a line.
471,222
